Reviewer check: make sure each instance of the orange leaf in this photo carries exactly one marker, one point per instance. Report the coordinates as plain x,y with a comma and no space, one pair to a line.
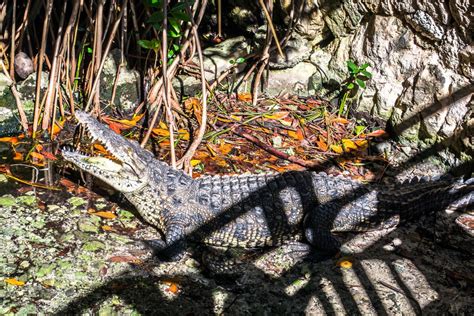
18,156
191,103
377,133
296,135
132,122
172,287
225,148
117,128
100,148
108,215
184,134
39,147
247,97
14,282
13,140
37,155
340,120
322,144
49,155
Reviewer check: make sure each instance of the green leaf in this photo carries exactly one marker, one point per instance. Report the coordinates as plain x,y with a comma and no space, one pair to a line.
350,86
360,83
152,44
240,60
359,129
367,74
231,61
156,19
89,50
175,25
352,66
155,3
364,66
179,15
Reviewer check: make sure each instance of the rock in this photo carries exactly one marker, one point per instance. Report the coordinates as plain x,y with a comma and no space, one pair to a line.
222,56
296,51
127,94
425,25
292,80
23,65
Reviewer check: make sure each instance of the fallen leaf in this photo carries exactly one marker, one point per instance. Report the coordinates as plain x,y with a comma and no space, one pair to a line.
378,133
161,132
107,228
337,149
296,135
277,115
124,259
344,263
18,156
246,97
340,120
37,155
322,144
14,282
105,214
48,155
195,162
13,140
39,147
172,287
348,145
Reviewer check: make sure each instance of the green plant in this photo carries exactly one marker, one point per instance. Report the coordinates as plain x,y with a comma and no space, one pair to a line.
358,76
176,15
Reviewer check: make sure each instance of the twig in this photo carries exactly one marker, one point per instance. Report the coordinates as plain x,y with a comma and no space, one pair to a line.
36,115
307,164
202,128
272,28
12,44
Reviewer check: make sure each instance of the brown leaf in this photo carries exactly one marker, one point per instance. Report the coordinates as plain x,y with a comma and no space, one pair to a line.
378,133
246,97
124,259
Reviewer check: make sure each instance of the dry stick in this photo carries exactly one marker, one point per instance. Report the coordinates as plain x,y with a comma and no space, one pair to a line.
154,98
98,52
202,128
52,87
307,164
166,92
24,24
106,51
19,105
272,28
49,7
153,93
219,18
70,52
12,44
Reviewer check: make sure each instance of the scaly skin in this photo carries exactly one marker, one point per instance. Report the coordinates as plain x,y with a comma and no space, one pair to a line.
251,210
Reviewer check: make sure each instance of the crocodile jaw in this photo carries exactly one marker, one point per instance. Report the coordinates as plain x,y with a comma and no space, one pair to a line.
128,174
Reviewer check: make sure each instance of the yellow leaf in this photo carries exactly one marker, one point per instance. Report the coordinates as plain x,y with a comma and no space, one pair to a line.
195,162
345,264
340,120
184,134
107,228
236,118
348,144
277,115
103,214
296,135
362,143
14,282
37,155
161,132
163,125
337,149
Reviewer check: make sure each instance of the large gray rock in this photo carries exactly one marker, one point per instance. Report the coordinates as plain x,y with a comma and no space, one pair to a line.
128,83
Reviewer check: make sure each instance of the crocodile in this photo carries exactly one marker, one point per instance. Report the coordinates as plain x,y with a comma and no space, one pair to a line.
257,210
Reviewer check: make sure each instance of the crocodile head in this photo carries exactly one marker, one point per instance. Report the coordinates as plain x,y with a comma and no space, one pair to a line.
127,172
